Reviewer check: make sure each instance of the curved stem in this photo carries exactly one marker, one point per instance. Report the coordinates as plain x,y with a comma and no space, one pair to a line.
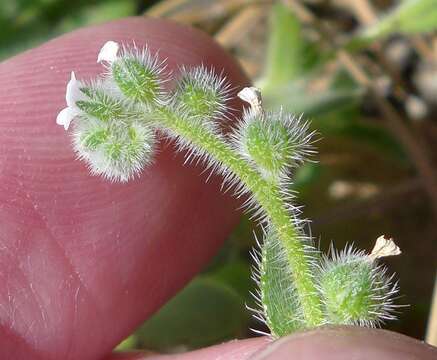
269,197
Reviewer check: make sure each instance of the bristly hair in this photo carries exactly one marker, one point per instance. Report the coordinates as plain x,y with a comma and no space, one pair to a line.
203,95
121,156
150,77
276,300
286,138
196,155
100,100
378,290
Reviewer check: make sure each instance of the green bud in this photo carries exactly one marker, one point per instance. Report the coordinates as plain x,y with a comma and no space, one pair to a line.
118,151
273,141
202,93
268,145
137,75
355,290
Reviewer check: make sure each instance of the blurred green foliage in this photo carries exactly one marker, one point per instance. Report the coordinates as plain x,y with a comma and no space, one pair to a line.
211,309
410,17
293,64
27,23
207,311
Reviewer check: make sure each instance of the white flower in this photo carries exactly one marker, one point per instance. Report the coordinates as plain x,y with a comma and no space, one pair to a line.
252,95
72,95
108,52
384,247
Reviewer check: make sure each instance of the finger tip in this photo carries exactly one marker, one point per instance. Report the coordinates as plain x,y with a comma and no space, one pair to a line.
347,342
78,221
231,350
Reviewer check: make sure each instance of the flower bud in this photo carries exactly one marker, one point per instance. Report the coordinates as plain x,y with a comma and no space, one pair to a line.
275,142
201,95
355,290
137,74
118,152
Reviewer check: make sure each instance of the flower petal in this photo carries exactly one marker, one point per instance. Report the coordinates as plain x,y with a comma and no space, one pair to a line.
73,93
108,52
65,117
384,246
252,95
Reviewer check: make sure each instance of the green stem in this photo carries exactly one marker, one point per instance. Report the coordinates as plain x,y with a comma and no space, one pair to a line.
268,195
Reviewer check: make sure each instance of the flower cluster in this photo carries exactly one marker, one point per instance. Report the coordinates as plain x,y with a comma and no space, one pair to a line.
118,118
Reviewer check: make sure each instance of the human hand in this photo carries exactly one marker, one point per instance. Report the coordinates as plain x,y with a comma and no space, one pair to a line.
82,261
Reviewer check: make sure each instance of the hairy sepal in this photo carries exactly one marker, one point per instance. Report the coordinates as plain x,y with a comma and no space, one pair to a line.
118,152
355,289
202,94
277,299
275,142
139,76
98,101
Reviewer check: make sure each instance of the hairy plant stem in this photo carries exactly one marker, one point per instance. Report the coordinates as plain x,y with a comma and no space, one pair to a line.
267,194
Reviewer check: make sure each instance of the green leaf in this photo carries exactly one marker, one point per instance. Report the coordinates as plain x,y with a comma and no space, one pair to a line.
235,274
410,17
288,55
128,343
346,121
278,296
297,99
366,133
305,175
26,24
98,13
204,313
137,80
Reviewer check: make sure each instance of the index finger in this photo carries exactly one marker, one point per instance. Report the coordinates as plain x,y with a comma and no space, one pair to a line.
84,261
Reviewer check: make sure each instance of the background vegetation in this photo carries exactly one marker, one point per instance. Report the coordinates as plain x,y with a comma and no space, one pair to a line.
365,72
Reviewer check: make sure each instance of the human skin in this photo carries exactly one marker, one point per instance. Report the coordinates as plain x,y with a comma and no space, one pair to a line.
84,261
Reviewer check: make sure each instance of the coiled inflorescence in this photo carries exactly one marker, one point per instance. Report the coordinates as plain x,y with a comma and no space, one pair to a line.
117,120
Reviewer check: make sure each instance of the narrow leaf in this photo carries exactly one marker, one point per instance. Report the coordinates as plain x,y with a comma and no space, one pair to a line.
277,292
284,55
410,17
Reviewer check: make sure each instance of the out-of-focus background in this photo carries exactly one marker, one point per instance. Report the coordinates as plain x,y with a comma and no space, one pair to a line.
365,73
